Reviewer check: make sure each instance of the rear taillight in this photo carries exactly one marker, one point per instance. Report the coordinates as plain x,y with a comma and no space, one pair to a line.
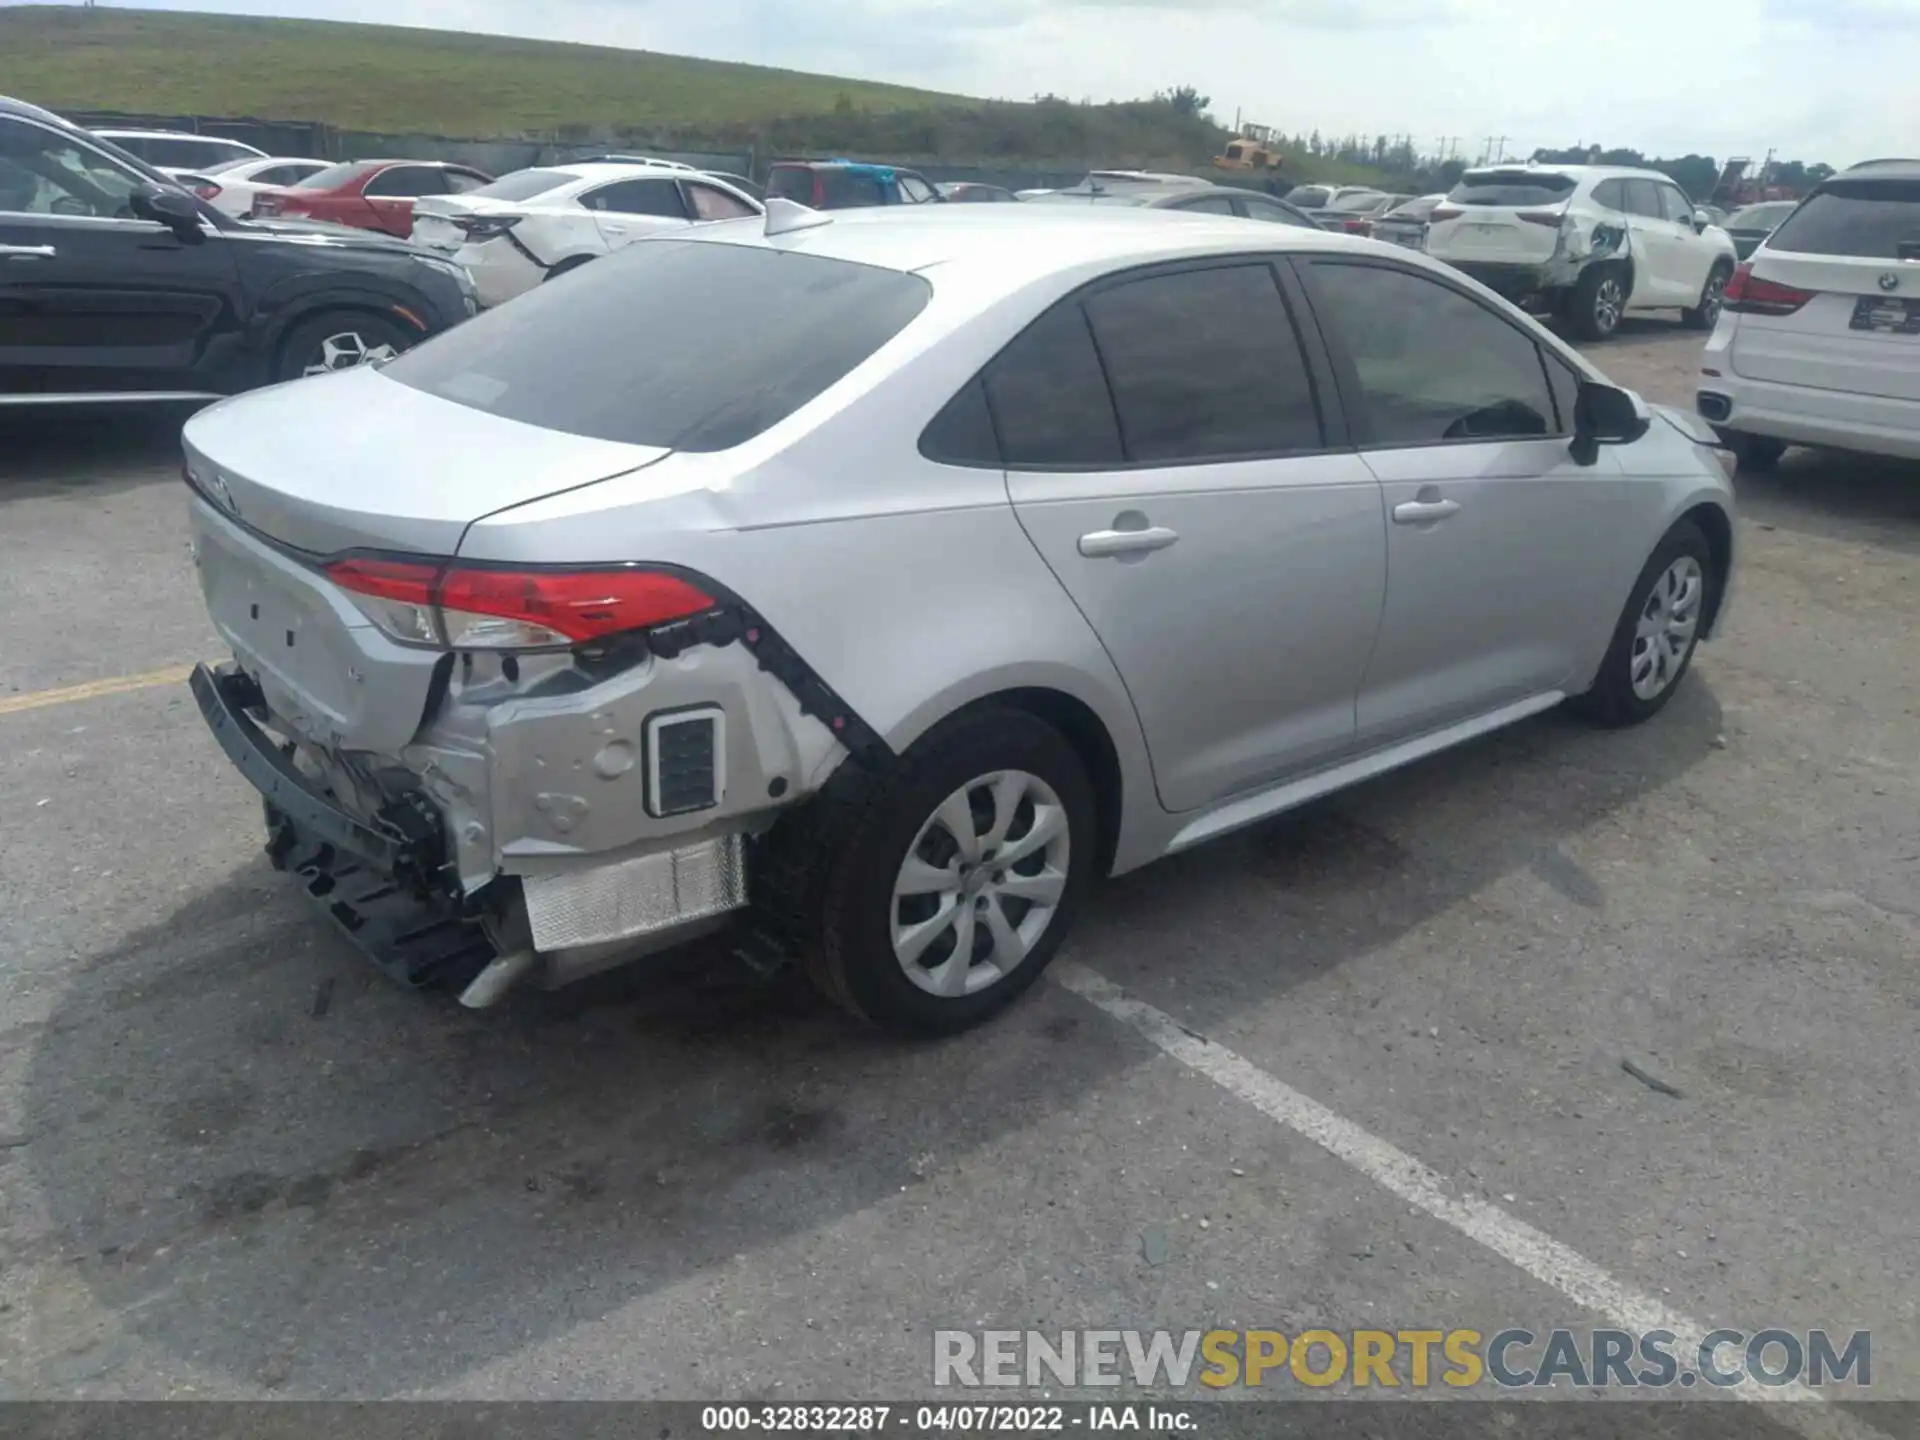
267,204
1446,212
1359,225
484,227
505,608
206,189
1747,295
1541,217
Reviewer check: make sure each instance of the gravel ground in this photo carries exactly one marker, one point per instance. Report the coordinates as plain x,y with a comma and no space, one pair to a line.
234,1163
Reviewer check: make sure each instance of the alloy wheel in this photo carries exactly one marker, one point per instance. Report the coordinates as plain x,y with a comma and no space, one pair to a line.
1608,301
981,882
345,351
1664,634
1715,297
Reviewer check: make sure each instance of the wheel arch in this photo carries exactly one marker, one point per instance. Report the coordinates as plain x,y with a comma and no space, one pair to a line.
1717,526
311,307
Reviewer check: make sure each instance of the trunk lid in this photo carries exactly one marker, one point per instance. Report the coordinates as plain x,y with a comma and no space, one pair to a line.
1854,248
1486,216
356,461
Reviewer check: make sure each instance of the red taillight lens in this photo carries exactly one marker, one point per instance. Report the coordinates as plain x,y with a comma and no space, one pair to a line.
1446,212
1357,226
1542,217
513,608
475,608
206,190
1750,296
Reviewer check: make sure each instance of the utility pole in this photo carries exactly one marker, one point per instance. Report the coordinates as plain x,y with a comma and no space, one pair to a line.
1496,150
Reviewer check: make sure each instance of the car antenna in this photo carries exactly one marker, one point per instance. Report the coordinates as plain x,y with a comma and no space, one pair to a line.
785,216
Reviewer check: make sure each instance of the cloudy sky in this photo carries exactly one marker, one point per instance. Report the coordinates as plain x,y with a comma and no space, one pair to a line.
1825,80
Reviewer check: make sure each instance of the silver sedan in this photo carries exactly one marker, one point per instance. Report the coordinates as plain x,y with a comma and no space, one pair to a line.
873,584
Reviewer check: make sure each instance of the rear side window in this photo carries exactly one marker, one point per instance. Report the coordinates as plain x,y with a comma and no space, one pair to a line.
738,338
1204,365
334,176
1050,400
712,204
1433,365
1872,219
1273,212
1207,205
638,197
1611,195
524,184
791,182
1512,188
405,181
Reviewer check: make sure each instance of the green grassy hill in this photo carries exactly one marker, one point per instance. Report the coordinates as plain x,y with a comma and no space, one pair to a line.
388,78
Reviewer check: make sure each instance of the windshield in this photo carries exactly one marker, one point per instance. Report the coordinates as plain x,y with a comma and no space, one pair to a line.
1760,217
334,176
522,185
1511,188
1872,219
1308,197
738,338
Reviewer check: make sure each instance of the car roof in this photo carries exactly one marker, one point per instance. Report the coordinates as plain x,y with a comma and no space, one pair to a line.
111,130
1892,169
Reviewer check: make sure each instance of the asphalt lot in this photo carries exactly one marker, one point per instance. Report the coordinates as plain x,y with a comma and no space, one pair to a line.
234,1162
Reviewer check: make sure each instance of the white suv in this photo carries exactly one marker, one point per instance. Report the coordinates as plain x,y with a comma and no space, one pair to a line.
1593,243
1820,340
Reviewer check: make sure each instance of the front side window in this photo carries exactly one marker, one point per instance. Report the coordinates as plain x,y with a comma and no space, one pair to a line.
525,184
915,190
1204,365
43,172
1433,365
1257,208
1677,207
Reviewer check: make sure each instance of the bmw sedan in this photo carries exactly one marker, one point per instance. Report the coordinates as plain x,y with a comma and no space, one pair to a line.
877,582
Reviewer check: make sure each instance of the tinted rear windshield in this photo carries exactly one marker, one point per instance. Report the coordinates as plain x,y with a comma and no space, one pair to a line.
1511,187
524,184
673,343
335,176
1874,219
1358,204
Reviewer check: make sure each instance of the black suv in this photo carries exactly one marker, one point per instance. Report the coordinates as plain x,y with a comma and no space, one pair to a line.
116,284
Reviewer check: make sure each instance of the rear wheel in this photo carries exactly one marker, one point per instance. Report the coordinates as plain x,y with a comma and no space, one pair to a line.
340,340
1753,452
1598,302
1654,642
1706,314
928,897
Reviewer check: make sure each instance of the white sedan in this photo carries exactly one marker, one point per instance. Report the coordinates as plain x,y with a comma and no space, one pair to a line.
535,224
232,187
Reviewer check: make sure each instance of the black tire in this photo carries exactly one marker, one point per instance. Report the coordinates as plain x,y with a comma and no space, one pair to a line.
825,874
1598,302
323,339
1706,314
1753,452
565,267
1613,700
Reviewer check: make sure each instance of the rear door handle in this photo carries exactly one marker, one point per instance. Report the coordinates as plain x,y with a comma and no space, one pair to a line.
28,252
1423,512
1102,543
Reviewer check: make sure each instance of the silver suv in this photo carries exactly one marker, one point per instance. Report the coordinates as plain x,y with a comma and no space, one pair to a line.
884,579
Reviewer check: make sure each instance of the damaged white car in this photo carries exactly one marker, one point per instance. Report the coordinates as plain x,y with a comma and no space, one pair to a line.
1590,243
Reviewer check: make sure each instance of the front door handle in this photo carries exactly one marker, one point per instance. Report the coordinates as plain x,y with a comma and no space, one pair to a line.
28,252
1102,543
1423,512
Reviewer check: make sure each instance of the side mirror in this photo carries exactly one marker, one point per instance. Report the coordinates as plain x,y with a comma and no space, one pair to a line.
171,207
1605,415
1701,220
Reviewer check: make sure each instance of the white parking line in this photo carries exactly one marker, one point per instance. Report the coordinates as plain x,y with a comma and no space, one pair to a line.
1508,1236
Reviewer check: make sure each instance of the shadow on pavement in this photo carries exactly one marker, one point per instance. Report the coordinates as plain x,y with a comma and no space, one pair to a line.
261,1157
62,447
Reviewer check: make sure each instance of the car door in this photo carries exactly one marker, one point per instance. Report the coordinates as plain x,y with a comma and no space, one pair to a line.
392,191
93,300
1693,253
1657,261
1500,549
1188,482
630,210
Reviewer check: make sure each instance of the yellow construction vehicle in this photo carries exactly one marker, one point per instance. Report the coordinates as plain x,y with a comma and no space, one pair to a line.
1252,150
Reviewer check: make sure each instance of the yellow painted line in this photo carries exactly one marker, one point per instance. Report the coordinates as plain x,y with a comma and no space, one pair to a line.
119,685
